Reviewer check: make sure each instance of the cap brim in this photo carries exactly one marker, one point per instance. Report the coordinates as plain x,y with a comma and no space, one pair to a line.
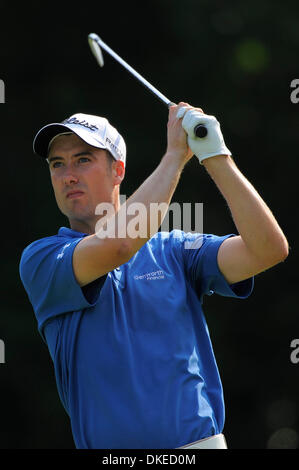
48,132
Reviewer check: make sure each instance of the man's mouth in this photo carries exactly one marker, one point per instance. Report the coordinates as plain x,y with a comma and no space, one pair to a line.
73,194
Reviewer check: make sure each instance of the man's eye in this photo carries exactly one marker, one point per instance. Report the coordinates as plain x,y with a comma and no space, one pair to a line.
58,164
55,164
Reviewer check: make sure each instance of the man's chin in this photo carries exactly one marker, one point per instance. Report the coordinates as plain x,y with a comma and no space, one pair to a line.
79,216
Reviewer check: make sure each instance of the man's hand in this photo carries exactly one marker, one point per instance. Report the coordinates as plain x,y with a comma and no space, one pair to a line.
210,146
177,143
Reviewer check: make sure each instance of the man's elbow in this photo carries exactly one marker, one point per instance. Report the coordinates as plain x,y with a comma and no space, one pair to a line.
284,250
124,251
278,252
128,247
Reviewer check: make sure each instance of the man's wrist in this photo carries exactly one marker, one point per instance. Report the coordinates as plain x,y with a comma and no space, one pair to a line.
216,161
175,159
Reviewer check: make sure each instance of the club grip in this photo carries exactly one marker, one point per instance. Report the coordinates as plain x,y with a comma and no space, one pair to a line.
200,130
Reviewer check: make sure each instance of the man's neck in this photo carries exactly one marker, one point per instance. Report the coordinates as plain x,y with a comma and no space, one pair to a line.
89,225
82,226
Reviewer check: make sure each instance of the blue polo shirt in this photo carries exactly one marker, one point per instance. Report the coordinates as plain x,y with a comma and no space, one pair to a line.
133,359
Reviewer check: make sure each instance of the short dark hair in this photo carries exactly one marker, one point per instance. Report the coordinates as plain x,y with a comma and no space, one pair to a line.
110,158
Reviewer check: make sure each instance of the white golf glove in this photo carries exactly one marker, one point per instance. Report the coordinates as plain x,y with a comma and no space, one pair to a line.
211,145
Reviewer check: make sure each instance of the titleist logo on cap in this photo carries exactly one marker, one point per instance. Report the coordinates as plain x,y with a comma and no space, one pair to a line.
84,123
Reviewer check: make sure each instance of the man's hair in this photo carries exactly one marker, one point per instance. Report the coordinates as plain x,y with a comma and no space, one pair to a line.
110,158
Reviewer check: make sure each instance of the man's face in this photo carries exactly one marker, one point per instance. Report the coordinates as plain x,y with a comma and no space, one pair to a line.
81,175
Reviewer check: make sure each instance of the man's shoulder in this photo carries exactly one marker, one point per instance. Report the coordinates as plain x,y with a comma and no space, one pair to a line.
46,248
42,242
63,235
59,240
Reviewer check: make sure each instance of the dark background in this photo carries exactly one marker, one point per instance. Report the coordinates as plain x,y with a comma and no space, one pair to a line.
236,60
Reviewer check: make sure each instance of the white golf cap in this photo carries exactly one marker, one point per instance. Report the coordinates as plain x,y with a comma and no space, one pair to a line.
94,130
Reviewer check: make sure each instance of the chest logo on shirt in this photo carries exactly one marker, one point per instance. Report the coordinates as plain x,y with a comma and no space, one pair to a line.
153,276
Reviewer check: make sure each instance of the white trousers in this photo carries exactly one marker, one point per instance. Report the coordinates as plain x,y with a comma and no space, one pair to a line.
214,442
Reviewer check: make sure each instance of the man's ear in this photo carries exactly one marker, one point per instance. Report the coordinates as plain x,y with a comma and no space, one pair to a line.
118,171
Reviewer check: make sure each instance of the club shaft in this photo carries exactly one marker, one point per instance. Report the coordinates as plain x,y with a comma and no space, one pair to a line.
133,71
200,130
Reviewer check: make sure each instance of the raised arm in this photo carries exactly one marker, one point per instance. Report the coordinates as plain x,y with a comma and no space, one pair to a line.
261,243
94,256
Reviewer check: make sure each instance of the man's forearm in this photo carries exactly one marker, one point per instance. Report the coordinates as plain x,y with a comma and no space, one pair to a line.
157,189
252,217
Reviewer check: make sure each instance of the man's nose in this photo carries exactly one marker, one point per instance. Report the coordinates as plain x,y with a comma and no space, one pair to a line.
70,177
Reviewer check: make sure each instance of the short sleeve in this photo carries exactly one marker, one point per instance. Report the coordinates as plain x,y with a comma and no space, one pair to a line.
46,270
200,257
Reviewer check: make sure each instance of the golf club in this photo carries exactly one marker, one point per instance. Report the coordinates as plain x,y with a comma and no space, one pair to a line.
96,44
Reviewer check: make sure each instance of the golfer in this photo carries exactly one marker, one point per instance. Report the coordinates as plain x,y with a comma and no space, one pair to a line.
122,315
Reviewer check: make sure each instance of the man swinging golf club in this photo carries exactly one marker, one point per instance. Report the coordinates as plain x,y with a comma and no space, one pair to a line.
133,359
